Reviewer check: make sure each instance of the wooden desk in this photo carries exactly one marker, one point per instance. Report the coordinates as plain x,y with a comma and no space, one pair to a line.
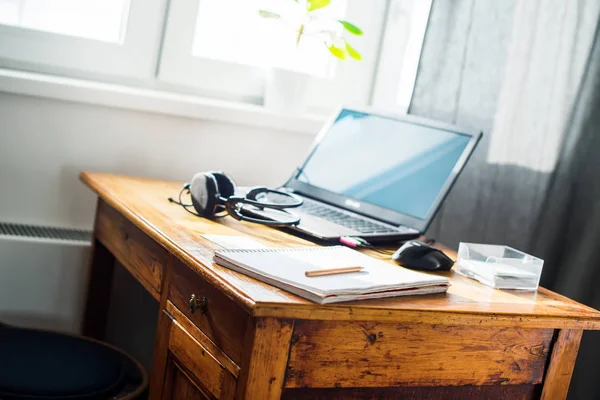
247,340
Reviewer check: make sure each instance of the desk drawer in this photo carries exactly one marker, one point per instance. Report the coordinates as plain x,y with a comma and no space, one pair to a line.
202,365
222,320
366,354
141,255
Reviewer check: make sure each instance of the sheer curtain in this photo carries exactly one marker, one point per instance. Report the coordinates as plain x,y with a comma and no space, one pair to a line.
567,234
527,73
510,68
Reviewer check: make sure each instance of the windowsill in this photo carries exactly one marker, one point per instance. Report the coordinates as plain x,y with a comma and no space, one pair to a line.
155,101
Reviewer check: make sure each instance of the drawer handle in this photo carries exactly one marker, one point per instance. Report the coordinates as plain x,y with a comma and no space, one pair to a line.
198,303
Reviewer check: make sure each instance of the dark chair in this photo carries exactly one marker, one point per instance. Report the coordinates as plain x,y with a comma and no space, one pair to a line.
44,365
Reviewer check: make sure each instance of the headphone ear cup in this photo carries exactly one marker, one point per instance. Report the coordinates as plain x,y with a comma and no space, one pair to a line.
204,191
226,187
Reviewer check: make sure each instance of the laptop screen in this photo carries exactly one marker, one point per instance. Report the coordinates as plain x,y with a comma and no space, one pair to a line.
398,165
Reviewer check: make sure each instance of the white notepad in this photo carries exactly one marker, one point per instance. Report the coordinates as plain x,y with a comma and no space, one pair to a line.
285,269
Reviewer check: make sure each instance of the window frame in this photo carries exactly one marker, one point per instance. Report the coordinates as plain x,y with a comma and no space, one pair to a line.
134,58
246,83
143,60
401,49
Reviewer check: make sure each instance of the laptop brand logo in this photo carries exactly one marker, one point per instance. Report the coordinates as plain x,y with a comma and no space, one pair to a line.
352,203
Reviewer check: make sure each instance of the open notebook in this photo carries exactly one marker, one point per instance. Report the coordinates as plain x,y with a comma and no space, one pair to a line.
285,269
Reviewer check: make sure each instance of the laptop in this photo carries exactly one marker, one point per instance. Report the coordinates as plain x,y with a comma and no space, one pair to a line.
377,176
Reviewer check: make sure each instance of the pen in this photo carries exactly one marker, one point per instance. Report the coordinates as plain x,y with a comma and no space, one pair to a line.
332,271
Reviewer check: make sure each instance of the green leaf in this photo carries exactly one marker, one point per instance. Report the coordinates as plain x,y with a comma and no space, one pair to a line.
353,53
268,14
353,29
316,4
300,31
336,51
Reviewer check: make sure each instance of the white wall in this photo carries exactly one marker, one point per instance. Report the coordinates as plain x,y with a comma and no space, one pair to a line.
44,144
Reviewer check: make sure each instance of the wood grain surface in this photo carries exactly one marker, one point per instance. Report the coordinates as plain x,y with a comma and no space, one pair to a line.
179,385
144,203
562,362
204,340
204,367
263,370
143,257
224,322
363,354
160,356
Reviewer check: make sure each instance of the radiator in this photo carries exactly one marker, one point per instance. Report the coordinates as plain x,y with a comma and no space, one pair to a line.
43,276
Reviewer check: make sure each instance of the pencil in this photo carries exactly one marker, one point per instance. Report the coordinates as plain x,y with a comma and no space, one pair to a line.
332,271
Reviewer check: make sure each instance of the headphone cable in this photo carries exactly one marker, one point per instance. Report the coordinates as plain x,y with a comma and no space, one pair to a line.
181,203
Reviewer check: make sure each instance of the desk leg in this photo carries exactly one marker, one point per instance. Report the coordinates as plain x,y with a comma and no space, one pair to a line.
102,265
161,352
562,362
267,345
161,345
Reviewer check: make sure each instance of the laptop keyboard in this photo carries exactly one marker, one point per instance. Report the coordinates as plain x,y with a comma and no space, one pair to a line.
355,223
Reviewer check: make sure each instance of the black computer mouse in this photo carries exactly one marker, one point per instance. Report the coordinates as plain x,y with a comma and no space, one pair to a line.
421,256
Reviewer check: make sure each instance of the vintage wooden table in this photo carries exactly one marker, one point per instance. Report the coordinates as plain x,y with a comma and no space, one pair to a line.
223,335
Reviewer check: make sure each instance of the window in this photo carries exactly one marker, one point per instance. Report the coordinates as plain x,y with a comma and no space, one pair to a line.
98,37
88,19
400,53
247,38
203,38
219,48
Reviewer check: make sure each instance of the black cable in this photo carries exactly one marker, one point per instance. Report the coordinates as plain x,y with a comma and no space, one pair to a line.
182,204
172,200
187,188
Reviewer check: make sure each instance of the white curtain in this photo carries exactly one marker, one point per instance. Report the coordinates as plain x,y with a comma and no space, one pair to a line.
526,72
510,68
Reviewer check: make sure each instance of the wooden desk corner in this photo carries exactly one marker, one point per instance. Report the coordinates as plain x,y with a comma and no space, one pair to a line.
239,338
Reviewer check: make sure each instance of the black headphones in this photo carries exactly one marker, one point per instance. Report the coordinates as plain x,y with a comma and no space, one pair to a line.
213,196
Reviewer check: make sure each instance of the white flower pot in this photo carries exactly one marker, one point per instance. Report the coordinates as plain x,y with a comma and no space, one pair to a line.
286,91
